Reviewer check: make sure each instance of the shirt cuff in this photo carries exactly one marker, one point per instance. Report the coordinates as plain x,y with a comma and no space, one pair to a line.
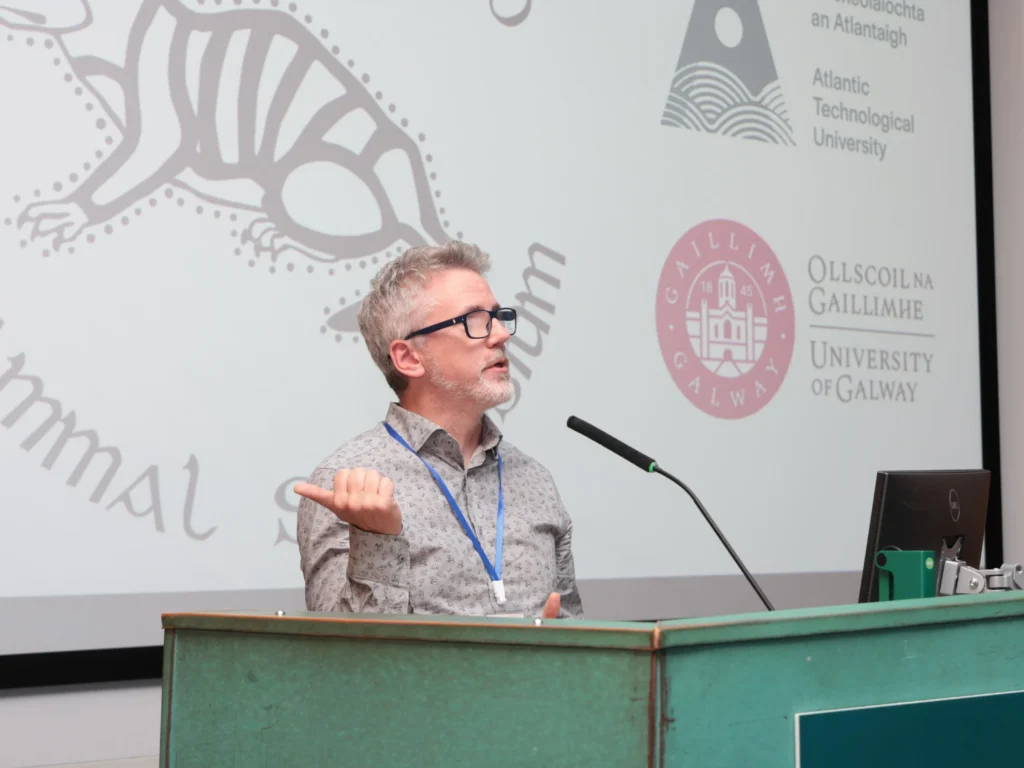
378,557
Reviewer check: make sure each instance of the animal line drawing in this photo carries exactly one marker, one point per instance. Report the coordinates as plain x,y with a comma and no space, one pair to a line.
246,108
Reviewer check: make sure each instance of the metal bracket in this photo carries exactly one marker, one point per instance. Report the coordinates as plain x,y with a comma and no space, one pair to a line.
958,578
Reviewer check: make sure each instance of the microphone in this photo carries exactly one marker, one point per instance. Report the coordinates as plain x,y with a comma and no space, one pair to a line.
647,464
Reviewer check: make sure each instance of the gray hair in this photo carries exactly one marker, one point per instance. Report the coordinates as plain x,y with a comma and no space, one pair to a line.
395,302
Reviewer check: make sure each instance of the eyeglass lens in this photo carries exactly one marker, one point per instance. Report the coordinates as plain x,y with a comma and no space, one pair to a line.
479,322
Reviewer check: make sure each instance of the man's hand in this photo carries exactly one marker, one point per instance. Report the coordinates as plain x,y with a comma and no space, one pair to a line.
553,606
361,498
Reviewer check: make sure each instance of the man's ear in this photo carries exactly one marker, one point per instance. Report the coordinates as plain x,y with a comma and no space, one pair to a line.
407,359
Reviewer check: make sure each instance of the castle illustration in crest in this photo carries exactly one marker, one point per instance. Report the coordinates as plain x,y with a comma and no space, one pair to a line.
727,339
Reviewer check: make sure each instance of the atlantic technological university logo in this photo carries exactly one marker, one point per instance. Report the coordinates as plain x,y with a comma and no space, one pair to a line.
725,80
725,319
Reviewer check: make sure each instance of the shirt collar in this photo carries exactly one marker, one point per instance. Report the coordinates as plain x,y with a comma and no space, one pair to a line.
418,431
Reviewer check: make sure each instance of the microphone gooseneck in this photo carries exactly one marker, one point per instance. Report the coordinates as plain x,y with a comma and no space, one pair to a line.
648,464
721,537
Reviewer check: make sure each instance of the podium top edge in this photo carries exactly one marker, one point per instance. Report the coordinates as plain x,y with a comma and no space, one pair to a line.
620,635
840,619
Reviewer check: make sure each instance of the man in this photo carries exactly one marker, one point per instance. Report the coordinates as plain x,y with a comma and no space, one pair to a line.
433,511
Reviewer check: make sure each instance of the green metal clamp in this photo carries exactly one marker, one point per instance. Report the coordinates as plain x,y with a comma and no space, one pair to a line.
905,575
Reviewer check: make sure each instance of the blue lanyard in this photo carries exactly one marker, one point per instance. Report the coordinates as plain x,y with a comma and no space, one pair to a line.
494,571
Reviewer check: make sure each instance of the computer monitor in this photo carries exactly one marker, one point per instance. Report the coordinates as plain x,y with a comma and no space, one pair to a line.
931,510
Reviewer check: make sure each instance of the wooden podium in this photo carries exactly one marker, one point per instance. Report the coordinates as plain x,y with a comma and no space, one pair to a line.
312,689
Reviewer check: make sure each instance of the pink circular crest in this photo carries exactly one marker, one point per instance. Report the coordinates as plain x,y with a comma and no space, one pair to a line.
725,319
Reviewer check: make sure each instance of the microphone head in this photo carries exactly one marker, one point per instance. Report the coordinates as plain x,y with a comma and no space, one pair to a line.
616,446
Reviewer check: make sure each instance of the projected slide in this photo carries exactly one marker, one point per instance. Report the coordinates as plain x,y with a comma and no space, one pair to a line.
739,233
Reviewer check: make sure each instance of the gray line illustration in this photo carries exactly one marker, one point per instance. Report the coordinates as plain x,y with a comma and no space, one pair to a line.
725,80
245,108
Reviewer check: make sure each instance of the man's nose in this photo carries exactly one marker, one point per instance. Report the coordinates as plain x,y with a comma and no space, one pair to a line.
499,334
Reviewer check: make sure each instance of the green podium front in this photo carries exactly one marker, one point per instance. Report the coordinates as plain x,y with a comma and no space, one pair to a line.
760,689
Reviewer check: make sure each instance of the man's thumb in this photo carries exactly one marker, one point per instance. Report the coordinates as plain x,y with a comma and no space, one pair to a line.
553,606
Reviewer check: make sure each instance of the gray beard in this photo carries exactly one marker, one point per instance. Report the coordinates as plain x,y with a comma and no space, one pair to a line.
483,394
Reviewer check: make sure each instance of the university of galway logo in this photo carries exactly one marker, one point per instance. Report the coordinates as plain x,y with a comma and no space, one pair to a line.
725,81
725,319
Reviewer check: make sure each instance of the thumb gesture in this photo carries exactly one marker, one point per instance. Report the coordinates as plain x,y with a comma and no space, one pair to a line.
360,497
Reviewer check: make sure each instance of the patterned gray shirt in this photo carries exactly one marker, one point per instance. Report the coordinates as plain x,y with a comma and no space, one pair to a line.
432,567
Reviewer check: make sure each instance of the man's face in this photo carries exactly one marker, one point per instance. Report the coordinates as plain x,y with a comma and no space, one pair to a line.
461,367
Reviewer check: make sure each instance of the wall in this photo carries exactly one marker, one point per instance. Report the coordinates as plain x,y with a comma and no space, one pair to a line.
87,723
1006,27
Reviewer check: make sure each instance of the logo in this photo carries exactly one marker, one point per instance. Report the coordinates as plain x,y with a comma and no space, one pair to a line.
725,80
725,319
954,505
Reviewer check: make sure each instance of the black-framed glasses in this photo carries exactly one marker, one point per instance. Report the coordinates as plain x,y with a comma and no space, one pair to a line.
477,323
